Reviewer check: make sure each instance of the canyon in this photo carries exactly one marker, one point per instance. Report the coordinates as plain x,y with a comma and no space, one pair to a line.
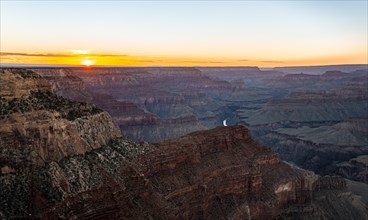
67,159
303,113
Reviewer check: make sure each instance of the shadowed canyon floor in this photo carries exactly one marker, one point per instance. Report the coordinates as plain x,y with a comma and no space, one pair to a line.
66,159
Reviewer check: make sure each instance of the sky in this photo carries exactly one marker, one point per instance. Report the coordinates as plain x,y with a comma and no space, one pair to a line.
184,33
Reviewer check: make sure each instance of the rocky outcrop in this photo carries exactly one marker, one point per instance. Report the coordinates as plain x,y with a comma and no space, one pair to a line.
156,130
350,132
68,83
242,75
317,81
44,127
17,83
321,69
309,110
124,113
49,138
220,173
354,169
321,158
65,83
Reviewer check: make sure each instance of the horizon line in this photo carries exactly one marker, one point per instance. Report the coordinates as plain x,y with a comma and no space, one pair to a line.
19,65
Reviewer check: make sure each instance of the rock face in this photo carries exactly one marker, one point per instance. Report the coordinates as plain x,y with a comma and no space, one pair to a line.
65,83
16,83
125,114
354,169
324,149
351,132
321,158
48,127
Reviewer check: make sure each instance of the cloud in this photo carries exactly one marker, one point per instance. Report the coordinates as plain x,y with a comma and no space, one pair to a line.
148,61
262,61
33,54
188,61
272,61
59,55
88,51
78,51
108,55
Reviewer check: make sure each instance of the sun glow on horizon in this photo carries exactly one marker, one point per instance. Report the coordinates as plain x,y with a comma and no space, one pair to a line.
88,62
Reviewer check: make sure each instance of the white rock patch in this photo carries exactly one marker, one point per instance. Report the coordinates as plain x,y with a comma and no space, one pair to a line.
284,187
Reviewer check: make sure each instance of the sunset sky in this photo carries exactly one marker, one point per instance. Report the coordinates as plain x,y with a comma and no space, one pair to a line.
184,33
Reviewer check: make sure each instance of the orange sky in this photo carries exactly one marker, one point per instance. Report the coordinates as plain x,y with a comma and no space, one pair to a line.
184,33
86,57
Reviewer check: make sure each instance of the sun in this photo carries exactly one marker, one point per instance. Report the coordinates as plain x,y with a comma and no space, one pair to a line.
88,62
